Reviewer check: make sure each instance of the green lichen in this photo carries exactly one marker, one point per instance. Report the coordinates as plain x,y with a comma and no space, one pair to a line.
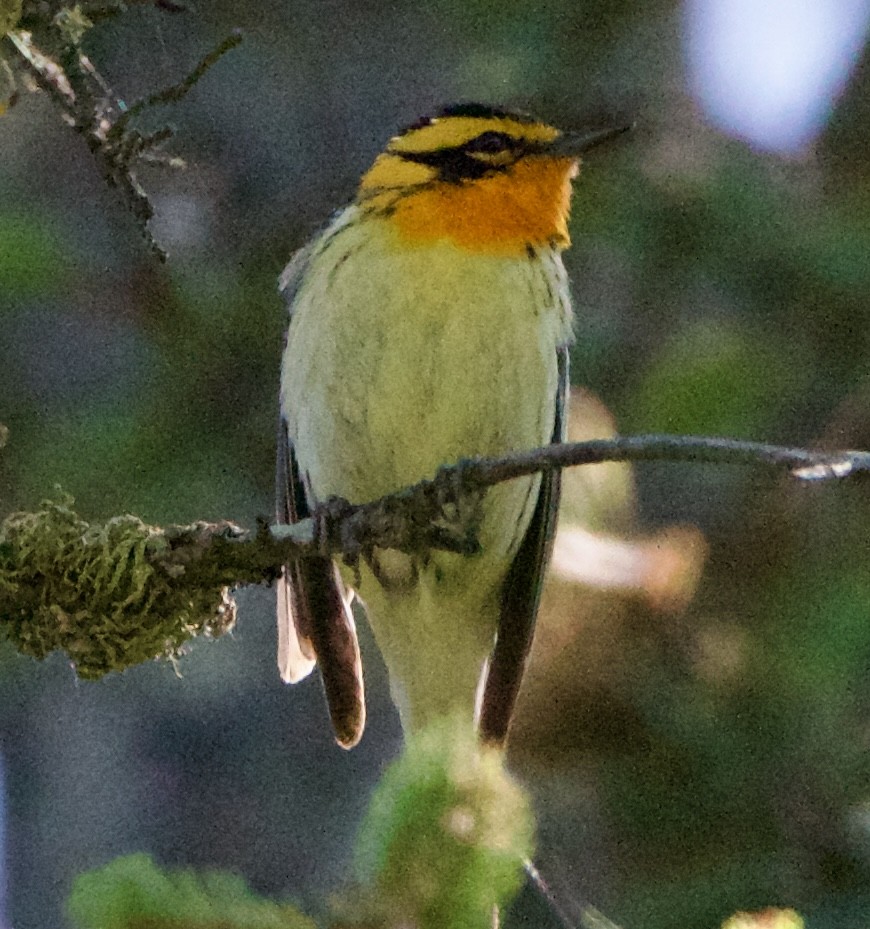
110,596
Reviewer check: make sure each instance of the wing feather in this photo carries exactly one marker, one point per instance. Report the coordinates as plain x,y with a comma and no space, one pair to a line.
296,658
315,621
521,593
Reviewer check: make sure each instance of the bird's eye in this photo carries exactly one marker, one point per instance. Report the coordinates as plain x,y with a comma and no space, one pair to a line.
490,143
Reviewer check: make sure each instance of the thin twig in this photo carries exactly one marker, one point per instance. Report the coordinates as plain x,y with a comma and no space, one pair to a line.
415,518
805,464
49,76
543,888
89,104
177,91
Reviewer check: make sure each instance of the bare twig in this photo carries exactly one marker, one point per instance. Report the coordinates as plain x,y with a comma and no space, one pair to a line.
89,104
537,881
178,91
418,518
805,464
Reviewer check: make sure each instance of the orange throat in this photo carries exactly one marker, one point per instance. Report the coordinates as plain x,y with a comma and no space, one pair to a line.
503,213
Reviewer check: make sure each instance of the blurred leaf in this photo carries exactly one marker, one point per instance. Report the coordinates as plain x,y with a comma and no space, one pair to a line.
765,919
34,259
716,377
601,496
445,836
132,892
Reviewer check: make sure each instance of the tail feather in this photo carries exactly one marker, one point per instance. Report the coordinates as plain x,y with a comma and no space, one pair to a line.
296,658
315,620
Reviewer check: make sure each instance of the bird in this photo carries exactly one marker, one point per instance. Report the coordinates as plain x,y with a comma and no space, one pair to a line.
430,322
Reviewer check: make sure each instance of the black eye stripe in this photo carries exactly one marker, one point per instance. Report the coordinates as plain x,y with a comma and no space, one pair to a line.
459,162
491,142
452,164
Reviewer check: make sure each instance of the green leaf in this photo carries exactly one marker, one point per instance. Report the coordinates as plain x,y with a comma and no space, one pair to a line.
719,377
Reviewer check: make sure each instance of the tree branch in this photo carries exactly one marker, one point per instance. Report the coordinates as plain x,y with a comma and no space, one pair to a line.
802,463
423,516
55,63
118,594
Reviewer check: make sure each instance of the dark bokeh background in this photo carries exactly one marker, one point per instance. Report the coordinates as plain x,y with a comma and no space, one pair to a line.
685,764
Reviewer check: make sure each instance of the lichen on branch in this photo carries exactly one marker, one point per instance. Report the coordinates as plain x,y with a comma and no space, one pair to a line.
125,592
110,596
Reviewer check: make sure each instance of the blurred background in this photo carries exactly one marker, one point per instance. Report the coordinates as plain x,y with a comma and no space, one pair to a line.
695,727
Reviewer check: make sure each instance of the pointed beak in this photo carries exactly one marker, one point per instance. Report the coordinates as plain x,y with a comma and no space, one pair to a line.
575,144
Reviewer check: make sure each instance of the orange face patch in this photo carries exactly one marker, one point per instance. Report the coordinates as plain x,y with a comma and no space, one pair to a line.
502,213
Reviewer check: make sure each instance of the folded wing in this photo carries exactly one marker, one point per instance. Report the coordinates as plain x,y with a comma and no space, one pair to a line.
315,621
521,593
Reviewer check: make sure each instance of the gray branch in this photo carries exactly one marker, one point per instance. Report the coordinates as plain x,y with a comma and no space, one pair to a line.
117,594
417,518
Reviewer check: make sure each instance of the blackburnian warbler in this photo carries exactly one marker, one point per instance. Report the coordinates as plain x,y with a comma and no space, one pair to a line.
429,322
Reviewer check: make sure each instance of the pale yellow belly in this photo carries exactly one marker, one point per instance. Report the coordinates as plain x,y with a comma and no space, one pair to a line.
403,361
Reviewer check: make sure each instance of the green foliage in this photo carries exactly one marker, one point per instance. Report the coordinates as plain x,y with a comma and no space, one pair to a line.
98,592
442,845
445,836
34,258
709,378
133,893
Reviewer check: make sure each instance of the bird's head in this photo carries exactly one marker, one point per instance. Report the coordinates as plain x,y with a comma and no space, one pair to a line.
488,179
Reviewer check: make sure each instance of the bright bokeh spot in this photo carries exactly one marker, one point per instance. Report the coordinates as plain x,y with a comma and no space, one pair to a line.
771,70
